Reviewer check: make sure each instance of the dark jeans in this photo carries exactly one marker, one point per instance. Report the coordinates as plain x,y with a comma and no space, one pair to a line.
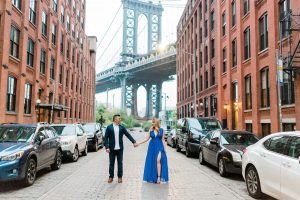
112,157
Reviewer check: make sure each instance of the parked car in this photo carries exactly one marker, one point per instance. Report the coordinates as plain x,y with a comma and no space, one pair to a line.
73,140
224,149
26,149
272,166
191,130
94,135
171,139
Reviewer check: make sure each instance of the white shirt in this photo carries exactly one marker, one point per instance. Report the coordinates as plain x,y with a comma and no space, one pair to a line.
116,131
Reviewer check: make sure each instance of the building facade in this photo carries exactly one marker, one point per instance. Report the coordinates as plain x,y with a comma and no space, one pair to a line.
47,63
235,47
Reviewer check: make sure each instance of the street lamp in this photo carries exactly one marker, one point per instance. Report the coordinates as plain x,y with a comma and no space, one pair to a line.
38,102
165,96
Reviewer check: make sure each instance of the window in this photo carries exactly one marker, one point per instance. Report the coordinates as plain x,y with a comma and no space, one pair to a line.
234,99
54,5
30,52
213,75
266,129
73,55
246,6
224,23
73,30
201,83
205,5
54,34
72,78
14,41
286,127
205,107
201,60
52,64
66,104
206,54
287,89
27,98
234,53
71,108
247,43
233,10
213,105
263,31
67,78
74,6
59,103
62,40
284,9
212,20
60,73
68,23
205,28
212,48
68,50
78,15
43,62
277,144
32,14
62,14
248,94
11,94
17,3
44,23
206,79
249,127
294,148
224,60
265,93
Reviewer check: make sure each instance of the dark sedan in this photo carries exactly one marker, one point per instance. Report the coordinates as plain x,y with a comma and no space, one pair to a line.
171,138
223,149
94,135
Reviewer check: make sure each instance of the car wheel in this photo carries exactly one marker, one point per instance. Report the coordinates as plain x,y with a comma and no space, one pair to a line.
188,152
85,152
253,183
178,149
96,145
30,173
222,169
57,163
201,158
75,155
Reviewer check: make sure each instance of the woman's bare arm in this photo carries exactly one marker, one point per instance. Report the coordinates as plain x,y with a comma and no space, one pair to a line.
146,139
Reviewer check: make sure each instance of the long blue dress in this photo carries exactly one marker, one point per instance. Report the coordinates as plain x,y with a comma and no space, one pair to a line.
150,171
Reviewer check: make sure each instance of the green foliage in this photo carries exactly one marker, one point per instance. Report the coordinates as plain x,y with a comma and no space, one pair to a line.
127,121
146,125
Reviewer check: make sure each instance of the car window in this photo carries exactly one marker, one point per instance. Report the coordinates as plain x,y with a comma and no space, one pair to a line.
41,132
65,129
16,134
238,139
208,136
50,132
294,150
79,130
194,123
277,144
216,135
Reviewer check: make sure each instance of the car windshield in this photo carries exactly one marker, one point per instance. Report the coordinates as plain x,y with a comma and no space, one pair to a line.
194,124
65,130
89,127
16,134
238,139
210,124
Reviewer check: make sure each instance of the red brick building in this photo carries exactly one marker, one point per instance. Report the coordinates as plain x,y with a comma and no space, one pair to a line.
45,57
235,44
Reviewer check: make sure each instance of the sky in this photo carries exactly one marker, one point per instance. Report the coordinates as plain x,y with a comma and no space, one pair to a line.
100,14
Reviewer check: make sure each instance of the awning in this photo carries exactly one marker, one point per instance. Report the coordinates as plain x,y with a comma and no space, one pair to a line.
56,107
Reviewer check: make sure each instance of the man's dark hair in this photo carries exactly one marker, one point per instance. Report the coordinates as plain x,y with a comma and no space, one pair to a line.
115,116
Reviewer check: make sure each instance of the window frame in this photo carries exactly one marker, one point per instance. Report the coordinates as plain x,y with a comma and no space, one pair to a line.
11,94
15,41
30,52
27,98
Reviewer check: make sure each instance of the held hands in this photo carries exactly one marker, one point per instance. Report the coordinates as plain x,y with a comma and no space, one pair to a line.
107,150
135,145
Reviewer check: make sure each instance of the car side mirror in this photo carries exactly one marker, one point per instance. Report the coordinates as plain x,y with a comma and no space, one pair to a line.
40,139
213,141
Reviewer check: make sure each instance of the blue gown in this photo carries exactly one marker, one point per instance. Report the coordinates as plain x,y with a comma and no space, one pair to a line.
150,171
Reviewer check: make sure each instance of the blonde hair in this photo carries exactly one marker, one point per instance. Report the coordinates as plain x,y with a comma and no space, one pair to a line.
156,125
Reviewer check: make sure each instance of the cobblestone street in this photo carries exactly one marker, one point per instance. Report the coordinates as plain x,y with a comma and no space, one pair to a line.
87,179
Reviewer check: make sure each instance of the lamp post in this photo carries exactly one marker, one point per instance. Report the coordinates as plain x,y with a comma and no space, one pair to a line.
165,97
38,102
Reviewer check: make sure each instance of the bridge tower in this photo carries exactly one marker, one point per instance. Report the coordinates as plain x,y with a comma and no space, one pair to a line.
132,9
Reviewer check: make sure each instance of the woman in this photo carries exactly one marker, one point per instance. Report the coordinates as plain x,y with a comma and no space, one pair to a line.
156,164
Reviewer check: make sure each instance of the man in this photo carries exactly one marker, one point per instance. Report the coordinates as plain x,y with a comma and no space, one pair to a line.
114,146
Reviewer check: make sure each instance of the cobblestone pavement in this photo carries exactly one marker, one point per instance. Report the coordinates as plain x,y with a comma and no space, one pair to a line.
86,179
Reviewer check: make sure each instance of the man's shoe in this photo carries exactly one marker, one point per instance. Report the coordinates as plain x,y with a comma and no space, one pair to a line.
119,180
110,180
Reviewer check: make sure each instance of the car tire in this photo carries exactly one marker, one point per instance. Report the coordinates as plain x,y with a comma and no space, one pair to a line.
57,162
222,169
188,152
85,152
178,149
30,172
201,158
75,155
95,148
253,183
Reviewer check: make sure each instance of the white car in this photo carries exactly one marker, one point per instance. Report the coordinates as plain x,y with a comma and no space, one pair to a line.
272,166
73,140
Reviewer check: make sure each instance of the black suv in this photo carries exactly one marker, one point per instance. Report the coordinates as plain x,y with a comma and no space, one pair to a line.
26,149
191,130
94,135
